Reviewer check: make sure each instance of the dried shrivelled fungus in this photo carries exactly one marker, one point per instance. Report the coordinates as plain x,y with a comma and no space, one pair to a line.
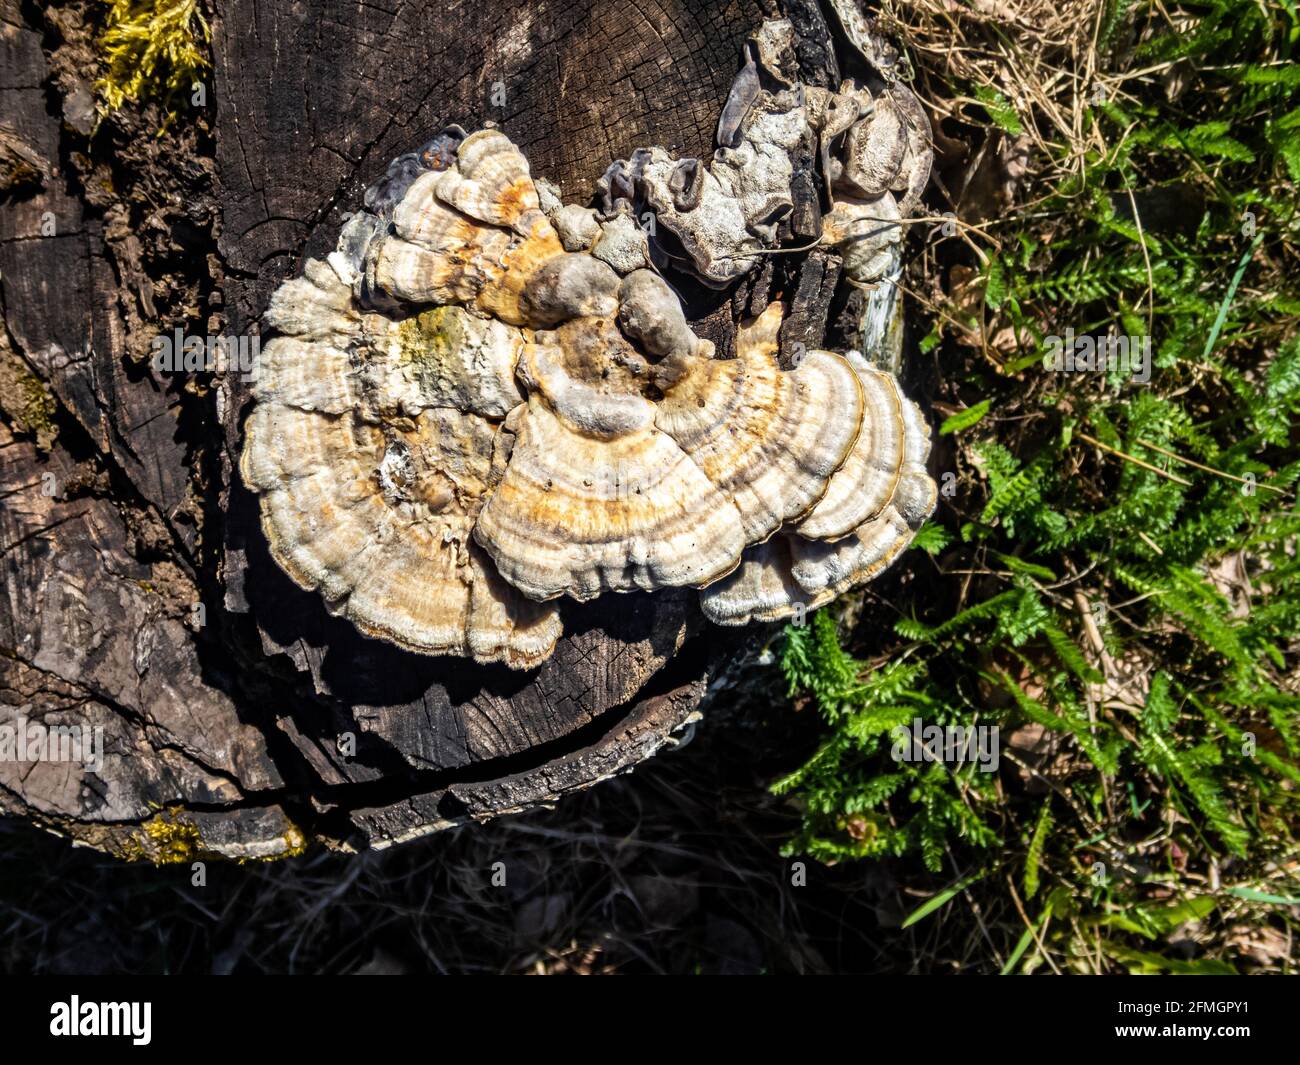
485,400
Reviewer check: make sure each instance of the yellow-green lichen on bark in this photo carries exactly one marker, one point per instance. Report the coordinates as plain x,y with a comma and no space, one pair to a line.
165,839
171,837
25,399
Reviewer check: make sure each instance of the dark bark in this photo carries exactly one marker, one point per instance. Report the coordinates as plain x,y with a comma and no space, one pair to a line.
139,594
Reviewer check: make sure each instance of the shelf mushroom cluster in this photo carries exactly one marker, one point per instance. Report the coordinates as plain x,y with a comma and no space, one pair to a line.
484,401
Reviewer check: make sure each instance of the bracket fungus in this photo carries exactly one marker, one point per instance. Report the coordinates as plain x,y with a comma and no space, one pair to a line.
485,400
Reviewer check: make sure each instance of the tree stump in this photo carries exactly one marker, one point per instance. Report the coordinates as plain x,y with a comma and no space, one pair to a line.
238,717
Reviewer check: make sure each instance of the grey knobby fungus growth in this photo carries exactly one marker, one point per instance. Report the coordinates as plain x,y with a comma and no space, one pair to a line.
485,400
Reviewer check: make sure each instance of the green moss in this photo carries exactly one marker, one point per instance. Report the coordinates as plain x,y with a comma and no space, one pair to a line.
1113,578
152,49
